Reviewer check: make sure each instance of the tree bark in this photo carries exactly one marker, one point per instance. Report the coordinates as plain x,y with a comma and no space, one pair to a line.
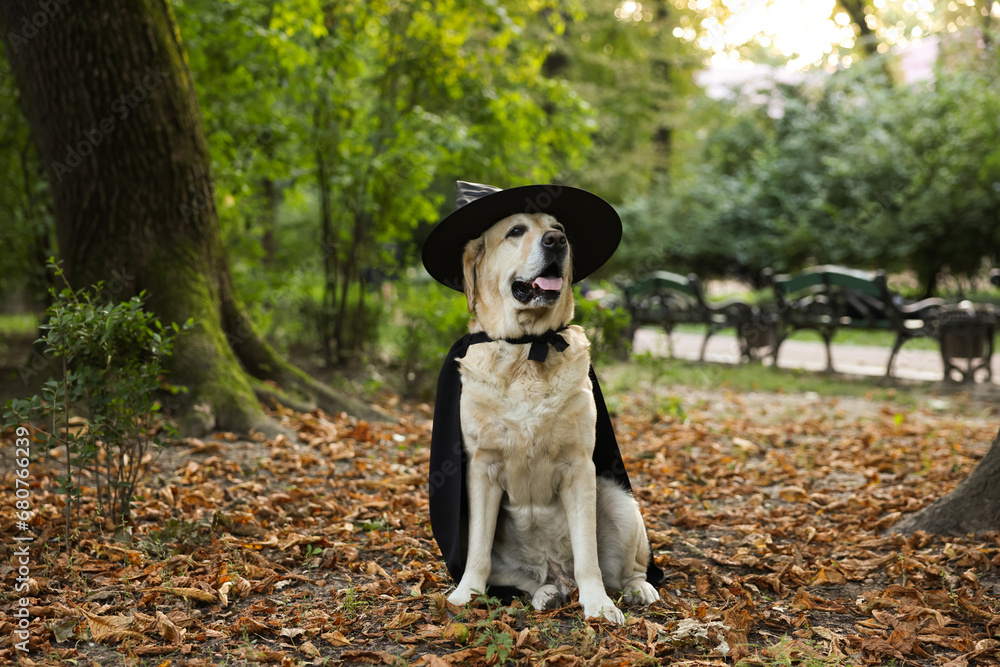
326,239
972,507
108,94
268,219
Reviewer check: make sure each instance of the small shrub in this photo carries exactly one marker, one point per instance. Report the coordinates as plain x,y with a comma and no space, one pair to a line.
497,639
111,360
424,322
606,323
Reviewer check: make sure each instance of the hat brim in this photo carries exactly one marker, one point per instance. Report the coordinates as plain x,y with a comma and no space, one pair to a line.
592,226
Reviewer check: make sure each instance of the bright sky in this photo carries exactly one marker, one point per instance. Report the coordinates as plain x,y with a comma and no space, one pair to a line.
805,31
809,31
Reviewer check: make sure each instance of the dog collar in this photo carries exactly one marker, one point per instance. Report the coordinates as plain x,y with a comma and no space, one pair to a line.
539,343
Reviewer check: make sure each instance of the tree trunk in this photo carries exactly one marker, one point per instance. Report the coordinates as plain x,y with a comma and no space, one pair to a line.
973,507
931,283
856,10
327,242
112,107
268,220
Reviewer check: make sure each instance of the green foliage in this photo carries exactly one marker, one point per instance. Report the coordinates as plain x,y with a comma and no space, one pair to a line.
606,324
336,131
634,73
424,322
845,170
18,324
352,602
672,406
498,641
361,115
102,404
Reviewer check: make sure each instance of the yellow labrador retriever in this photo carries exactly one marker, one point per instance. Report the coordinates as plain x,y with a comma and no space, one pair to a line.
539,517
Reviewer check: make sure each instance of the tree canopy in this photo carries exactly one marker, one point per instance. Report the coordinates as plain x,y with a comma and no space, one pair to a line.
336,133
848,169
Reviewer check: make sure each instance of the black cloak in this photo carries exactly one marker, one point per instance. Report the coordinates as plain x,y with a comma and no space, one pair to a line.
447,493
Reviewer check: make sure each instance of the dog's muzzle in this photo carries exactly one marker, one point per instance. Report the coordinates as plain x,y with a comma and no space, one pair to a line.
545,288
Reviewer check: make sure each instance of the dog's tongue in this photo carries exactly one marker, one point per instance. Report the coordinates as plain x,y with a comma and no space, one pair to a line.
548,284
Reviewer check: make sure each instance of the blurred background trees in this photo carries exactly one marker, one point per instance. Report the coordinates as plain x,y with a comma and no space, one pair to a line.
337,130
853,169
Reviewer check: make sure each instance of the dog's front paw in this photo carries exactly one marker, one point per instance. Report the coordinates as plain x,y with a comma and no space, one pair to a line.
640,591
461,596
602,607
547,597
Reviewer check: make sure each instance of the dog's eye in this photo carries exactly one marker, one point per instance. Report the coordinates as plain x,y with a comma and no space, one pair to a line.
517,230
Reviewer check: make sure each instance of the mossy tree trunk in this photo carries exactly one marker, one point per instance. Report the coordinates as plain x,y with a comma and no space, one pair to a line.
972,507
110,100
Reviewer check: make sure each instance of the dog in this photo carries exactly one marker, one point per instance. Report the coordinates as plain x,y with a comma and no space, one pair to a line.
540,518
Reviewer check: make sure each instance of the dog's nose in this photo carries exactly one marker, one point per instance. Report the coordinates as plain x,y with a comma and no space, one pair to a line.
554,239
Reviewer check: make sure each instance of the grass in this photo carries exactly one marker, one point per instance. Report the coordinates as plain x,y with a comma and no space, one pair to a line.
20,323
872,338
751,377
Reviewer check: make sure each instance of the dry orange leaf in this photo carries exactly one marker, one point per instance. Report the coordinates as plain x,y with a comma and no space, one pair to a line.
829,575
336,637
403,619
168,629
184,592
112,629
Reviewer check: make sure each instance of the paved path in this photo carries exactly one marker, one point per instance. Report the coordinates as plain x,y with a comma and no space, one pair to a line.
849,359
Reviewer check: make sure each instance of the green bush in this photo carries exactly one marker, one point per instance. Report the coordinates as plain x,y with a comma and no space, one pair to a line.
423,322
854,170
110,358
606,324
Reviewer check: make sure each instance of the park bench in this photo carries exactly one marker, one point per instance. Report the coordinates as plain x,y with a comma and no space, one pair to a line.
828,298
667,299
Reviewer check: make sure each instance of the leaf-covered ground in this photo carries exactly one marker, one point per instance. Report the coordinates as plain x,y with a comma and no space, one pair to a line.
767,512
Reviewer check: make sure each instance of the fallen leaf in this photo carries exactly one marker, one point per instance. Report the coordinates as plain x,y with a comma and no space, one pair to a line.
308,649
793,494
403,619
111,628
335,637
183,592
168,630
64,629
830,576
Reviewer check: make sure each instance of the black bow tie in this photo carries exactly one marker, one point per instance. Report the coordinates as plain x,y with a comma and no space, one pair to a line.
539,343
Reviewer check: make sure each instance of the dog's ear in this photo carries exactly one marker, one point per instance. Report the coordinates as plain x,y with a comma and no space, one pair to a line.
470,262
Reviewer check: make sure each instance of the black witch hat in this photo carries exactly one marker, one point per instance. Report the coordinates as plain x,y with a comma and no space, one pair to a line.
592,225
